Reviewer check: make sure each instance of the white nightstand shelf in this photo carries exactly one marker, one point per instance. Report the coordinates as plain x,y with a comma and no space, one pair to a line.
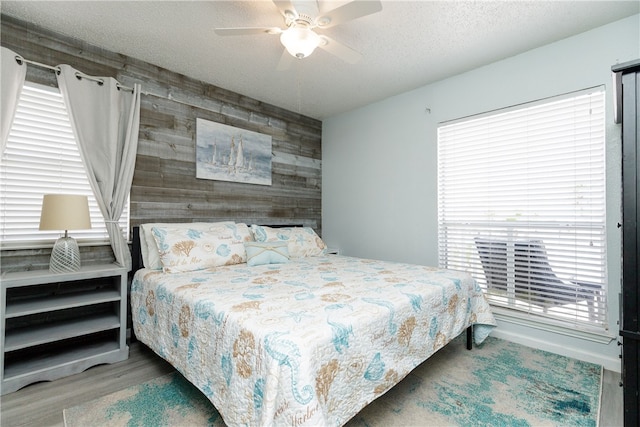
54,325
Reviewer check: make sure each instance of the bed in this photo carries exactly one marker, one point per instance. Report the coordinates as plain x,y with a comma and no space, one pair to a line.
275,332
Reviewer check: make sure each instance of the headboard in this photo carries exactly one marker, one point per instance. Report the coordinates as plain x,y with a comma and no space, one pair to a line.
136,249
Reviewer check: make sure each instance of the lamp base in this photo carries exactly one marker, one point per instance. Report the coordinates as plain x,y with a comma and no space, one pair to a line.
65,256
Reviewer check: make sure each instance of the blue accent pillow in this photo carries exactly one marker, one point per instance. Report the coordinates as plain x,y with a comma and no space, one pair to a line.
259,253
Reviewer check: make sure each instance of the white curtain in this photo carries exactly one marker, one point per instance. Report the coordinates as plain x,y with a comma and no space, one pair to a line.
12,75
105,121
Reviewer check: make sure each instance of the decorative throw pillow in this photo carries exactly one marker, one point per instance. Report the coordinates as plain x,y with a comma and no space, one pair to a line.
149,248
188,249
302,241
259,253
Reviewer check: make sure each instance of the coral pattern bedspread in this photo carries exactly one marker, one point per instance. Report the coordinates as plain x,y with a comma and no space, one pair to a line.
308,342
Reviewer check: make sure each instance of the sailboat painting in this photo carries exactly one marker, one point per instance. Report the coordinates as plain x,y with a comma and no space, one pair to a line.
227,153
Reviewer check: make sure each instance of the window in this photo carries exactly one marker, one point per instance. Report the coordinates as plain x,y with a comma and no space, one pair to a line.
42,157
521,207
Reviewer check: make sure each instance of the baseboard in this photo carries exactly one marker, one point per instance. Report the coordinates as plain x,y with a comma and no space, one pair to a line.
609,363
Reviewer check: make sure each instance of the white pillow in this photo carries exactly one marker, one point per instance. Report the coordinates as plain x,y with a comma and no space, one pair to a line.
302,241
149,248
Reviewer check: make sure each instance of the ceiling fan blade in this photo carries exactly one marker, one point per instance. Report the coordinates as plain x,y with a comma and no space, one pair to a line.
286,8
338,49
243,31
286,61
347,12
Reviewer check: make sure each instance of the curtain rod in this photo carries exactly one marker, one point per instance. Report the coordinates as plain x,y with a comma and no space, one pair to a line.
79,75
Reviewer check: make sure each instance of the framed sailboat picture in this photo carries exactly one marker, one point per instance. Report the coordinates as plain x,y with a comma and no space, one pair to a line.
227,153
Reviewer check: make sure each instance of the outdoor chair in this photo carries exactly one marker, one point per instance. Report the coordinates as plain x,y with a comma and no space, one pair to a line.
533,277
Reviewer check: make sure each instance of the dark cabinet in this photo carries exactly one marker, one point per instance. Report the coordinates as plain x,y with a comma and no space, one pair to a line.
627,112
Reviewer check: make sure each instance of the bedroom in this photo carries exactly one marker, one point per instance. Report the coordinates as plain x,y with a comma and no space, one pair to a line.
344,221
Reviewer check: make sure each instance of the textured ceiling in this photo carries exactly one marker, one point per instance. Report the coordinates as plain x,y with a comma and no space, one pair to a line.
406,45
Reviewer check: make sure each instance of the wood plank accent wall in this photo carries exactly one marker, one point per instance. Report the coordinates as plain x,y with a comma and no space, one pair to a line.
164,184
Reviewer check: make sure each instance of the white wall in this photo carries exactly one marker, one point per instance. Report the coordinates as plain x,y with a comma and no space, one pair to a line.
379,162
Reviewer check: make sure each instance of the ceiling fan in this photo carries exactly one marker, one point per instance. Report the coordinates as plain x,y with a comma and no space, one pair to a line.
299,37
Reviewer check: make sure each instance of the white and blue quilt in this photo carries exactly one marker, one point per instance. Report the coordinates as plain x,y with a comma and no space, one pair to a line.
305,343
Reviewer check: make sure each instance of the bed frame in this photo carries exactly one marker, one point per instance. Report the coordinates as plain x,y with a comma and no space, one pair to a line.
137,264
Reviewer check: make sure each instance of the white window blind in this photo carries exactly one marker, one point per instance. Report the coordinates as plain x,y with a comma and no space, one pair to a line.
521,207
41,157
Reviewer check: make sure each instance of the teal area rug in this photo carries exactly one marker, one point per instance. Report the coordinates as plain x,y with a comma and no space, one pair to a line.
498,383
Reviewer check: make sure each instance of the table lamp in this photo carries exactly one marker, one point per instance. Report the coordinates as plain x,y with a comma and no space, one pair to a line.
65,212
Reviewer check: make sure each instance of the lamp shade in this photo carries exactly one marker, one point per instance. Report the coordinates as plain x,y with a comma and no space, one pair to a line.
65,212
300,41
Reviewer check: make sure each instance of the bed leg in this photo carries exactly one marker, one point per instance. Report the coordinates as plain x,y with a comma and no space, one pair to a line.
470,337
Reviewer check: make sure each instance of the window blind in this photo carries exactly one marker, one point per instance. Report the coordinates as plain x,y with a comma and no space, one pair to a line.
41,157
521,206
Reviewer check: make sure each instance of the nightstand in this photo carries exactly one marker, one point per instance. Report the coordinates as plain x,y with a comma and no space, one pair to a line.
54,325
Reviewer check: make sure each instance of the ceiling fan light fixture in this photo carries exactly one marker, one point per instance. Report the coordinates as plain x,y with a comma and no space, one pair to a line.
299,41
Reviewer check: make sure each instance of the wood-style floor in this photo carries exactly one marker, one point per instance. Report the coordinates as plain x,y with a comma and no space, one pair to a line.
41,404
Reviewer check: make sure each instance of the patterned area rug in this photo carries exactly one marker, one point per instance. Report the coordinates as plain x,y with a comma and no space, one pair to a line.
496,384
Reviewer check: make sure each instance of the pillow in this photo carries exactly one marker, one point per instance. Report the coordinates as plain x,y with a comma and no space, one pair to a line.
259,253
302,241
148,247
188,249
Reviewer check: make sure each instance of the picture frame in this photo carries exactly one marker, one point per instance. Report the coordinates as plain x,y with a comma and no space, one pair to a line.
227,153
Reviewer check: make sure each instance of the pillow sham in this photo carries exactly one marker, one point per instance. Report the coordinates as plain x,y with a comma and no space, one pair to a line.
149,248
188,249
260,253
302,241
